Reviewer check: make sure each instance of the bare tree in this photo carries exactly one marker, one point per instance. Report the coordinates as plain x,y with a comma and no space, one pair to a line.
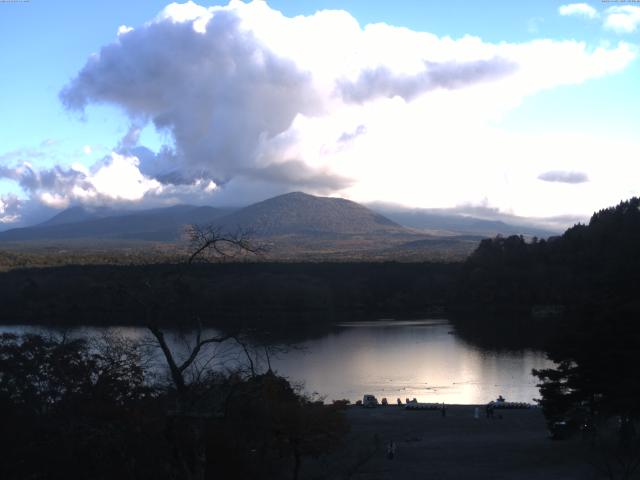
186,424
177,369
208,241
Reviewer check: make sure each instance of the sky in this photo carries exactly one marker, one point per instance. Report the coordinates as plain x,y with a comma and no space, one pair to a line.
507,108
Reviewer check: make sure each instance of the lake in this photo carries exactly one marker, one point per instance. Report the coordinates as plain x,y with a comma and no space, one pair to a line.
424,359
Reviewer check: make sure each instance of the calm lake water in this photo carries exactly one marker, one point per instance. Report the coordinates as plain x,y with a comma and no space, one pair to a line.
394,359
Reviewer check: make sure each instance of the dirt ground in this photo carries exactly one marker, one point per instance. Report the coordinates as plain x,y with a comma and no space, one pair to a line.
513,445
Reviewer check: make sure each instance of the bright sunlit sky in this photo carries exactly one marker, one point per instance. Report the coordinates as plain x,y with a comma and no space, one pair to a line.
525,108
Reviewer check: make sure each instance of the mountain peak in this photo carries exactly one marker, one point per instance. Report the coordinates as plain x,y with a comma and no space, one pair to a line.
296,194
298,213
70,215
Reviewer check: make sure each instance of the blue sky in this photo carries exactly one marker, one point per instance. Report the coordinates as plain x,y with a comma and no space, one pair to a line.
46,44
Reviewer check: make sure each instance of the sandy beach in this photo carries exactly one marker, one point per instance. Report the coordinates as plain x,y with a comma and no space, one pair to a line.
513,445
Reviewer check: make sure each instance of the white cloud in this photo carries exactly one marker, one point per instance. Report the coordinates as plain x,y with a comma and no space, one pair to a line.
580,9
256,104
619,18
120,179
9,209
123,29
116,178
622,18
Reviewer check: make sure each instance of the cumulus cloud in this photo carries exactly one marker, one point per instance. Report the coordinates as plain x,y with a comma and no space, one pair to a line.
253,103
618,18
579,9
563,177
116,178
244,91
9,209
48,182
219,92
622,18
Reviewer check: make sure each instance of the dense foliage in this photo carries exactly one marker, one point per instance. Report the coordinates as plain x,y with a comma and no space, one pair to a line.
71,412
70,409
594,264
596,375
224,293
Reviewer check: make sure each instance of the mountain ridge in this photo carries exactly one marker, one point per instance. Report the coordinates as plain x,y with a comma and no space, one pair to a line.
164,224
293,225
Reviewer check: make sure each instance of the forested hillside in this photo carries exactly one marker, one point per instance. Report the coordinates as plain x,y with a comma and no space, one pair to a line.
593,264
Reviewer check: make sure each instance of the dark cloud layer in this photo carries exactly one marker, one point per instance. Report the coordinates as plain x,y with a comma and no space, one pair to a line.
382,82
563,177
296,172
56,179
221,94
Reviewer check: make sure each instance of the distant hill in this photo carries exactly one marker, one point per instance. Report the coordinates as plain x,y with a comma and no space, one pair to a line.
442,220
292,226
79,214
301,214
290,214
162,224
297,214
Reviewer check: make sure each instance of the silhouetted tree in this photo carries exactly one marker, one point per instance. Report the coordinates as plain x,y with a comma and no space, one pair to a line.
70,409
595,387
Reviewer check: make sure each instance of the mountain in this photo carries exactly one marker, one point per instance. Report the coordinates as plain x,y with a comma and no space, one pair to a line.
78,214
292,226
162,224
300,226
302,214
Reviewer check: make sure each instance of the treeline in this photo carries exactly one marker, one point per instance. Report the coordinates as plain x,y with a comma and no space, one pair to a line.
595,265
225,293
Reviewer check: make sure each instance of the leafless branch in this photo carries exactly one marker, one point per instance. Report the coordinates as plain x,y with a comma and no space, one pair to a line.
211,240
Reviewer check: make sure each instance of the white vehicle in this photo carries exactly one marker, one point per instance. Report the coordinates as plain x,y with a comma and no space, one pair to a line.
369,401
